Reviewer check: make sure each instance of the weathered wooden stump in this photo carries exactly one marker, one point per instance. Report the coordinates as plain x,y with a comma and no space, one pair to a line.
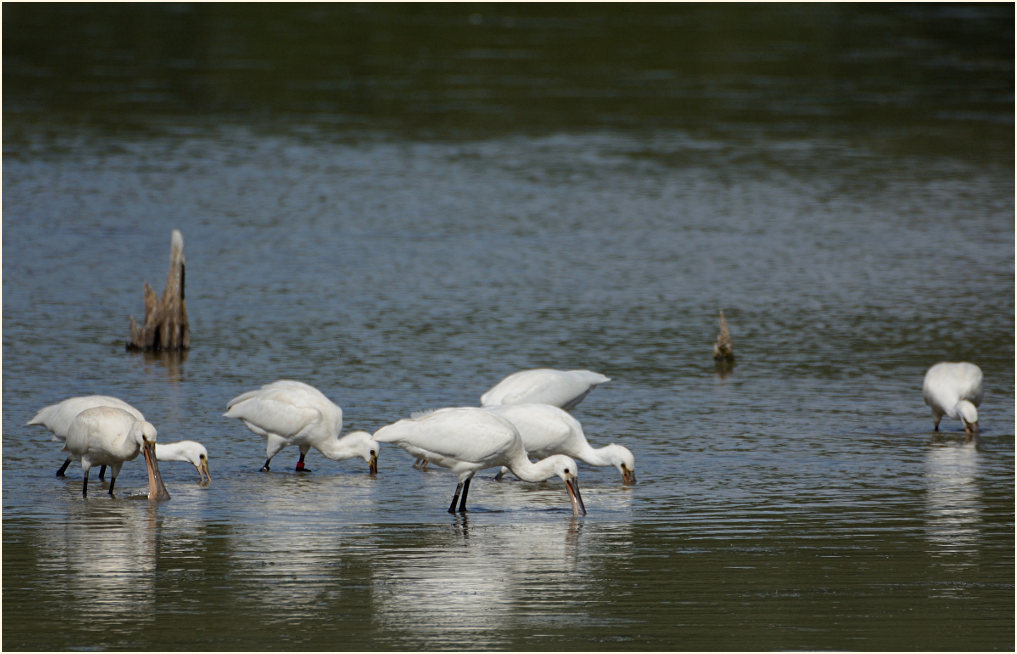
723,349
165,327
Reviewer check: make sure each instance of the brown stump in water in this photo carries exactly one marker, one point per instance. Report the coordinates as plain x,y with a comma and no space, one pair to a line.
723,349
165,325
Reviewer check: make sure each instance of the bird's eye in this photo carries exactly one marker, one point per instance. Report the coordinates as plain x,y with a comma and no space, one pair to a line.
566,471
372,451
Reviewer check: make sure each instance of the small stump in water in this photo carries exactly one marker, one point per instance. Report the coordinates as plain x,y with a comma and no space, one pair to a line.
165,325
723,349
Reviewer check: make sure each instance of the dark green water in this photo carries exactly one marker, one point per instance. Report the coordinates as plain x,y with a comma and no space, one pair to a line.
401,204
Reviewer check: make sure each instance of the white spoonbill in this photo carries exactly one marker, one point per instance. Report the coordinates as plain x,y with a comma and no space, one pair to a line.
548,430
954,389
57,417
469,439
289,412
192,452
561,388
109,436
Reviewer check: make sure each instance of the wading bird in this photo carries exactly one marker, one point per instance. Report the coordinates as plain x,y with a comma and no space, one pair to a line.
57,418
289,412
192,452
469,439
561,388
109,436
954,390
548,430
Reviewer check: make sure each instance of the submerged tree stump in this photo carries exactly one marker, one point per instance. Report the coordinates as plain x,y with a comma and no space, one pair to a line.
723,348
165,327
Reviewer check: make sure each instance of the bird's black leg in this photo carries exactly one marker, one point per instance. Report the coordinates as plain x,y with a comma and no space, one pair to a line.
462,500
300,463
102,473
265,467
455,498
112,481
63,468
84,485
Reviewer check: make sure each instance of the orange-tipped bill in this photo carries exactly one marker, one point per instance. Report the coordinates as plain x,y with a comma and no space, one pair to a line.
572,486
206,477
156,489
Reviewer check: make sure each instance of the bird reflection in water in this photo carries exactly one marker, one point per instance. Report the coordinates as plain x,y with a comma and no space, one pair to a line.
953,502
477,584
105,557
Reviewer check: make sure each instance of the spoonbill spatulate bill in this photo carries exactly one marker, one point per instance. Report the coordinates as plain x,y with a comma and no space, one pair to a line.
548,430
57,417
110,436
469,439
954,389
560,388
288,412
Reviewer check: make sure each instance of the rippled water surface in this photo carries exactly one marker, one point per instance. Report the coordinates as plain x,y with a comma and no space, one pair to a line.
401,205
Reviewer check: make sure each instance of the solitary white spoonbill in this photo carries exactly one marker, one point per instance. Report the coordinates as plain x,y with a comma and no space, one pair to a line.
548,430
57,417
192,452
109,436
469,439
954,389
289,412
561,388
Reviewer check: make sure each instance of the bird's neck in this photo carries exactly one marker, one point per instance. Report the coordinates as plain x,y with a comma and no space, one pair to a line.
338,449
596,456
526,470
168,452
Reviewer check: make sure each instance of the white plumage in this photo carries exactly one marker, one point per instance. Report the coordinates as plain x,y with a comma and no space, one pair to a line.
289,412
110,436
192,452
548,430
561,388
57,417
469,439
954,390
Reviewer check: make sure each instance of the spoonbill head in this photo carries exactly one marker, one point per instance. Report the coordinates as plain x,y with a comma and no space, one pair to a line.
57,417
192,452
110,436
548,430
288,412
469,439
954,389
561,388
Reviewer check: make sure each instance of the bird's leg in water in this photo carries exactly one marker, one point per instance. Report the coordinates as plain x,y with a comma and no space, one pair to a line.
84,485
462,500
300,463
63,468
112,481
265,467
102,473
455,498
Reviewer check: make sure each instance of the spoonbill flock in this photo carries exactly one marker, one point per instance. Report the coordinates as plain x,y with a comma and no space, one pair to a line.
526,414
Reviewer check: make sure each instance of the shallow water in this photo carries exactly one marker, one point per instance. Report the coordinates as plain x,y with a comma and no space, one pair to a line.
403,206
